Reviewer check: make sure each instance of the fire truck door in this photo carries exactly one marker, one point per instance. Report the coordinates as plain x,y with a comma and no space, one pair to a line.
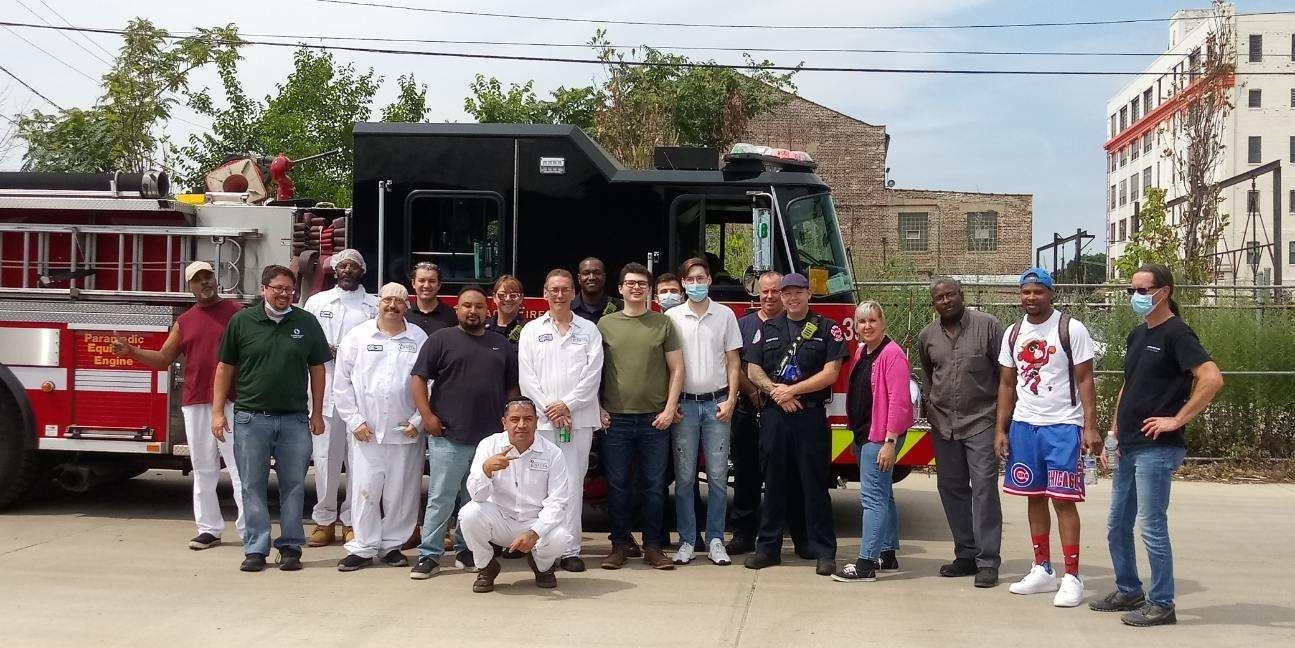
717,227
462,232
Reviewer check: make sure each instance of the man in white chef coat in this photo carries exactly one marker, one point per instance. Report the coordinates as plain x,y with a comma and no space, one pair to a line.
519,488
559,367
338,309
372,398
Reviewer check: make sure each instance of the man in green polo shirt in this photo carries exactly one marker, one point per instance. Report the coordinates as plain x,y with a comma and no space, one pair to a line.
272,348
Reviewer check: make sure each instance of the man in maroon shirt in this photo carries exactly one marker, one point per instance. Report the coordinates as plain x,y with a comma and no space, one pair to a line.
196,334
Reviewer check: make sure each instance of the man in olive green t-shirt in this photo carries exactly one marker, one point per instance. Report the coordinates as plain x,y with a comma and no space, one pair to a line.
272,347
642,379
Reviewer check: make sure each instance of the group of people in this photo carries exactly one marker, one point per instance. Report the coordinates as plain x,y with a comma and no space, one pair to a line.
507,409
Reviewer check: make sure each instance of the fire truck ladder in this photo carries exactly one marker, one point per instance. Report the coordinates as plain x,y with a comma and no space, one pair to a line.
37,278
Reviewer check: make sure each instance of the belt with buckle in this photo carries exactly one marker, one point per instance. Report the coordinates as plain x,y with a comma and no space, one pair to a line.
719,394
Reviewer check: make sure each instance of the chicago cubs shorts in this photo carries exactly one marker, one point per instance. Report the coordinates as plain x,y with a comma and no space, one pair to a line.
1044,460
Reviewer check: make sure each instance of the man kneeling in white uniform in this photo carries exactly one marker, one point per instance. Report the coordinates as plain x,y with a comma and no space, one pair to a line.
519,488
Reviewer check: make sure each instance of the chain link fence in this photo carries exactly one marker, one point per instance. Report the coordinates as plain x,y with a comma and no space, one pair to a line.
1250,335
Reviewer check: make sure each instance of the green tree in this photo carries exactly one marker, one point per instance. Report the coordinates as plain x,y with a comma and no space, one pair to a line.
313,110
1155,241
146,81
490,103
411,102
1089,268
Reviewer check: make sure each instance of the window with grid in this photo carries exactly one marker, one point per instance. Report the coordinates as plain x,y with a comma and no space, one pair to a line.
1292,97
1133,187
1124,192
1292,145
1113,197
1113,127
1111,236
1290,202
1134,149
1256,48
1124,118
1252,253
982,231
1136,109
1254,149
1290,253
912,231
1124,229
1146,143
1147,100
1124,155
1146,179
1255,98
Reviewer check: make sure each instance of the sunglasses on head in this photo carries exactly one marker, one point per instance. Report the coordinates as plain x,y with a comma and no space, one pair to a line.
1143,291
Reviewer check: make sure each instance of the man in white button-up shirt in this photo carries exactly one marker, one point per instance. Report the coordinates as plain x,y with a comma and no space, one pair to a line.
520,489
338,309
560,366
710,338
371,390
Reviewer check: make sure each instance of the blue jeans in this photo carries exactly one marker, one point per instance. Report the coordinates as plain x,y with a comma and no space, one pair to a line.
631,445
699,425
447,468
1141,490
880,514
285,437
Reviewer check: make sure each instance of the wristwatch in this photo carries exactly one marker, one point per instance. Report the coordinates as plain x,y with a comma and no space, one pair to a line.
889,441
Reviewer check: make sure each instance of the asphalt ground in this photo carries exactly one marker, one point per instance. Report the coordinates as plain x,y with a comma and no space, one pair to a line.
111,568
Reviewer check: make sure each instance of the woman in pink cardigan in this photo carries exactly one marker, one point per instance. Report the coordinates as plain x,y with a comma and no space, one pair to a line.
880,410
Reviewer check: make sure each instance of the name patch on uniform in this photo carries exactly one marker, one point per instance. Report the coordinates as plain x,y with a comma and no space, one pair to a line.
544,337
408,347
541,465
579,339
326,314
1153,349
375,347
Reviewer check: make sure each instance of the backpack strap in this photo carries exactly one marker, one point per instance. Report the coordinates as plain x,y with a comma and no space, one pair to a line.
1011,337
1063,332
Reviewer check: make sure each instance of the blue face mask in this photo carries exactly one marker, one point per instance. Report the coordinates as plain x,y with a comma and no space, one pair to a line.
1142,304
669,300
697,292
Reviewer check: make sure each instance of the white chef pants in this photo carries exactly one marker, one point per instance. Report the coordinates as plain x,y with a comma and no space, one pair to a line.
328,452
205,453
483,523
385,478
576,454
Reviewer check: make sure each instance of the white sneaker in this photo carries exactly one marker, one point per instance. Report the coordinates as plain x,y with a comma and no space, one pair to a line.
1071,593
685,554
718,554
1038,581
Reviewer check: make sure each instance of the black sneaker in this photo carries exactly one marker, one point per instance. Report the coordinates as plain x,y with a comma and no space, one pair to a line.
805,554
760,560
740,544
289,559
958,568
825,566
426,566
204,541
859,571
888,561
352,562
572,564
545,579
253,563
1150,615
463,560
1118,601
395,559
987,577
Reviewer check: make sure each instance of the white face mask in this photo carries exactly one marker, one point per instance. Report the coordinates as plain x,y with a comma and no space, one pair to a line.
276,312
669,300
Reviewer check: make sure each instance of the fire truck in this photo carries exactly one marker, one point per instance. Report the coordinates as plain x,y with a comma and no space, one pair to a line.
86,257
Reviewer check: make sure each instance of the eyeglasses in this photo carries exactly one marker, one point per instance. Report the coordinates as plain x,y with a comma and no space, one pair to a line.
1143,291
634,284
508,296
280,290
694,280
558,291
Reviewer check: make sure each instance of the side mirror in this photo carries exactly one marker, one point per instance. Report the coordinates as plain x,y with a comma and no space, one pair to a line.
761,239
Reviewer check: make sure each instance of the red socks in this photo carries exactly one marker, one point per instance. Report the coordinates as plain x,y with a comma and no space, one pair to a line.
1070,553
1042,552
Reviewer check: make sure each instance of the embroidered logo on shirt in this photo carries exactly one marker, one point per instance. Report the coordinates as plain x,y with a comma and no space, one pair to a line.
375,347
296,334
837,333
541,465
408,347
326,314
544,337
757,337
579,339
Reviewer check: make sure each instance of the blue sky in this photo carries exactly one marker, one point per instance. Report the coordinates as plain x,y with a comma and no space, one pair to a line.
1037,135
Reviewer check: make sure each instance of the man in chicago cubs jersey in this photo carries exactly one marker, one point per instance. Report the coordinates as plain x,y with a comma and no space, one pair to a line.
1046,416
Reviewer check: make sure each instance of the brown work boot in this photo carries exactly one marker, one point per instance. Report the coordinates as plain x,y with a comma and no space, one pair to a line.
322,536
348,534
485,581
545,579
615,559
656,560
414,540
449,538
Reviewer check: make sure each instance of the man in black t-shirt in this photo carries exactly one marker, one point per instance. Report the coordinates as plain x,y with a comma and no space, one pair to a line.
1169,380
473,372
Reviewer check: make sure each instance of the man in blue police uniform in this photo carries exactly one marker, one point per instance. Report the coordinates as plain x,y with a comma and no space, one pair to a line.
795,361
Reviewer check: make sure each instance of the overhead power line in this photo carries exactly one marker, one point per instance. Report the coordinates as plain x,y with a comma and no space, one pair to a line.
736,66
63,34
28,86
51,54
651,23
69,23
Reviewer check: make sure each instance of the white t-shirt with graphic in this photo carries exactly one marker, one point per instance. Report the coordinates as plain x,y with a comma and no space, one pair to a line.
1042,381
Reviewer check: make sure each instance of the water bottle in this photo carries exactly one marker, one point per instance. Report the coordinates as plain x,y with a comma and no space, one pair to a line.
1112,446
564,434
1090,469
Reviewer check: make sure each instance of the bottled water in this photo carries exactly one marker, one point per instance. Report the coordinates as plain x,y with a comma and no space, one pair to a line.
1090,469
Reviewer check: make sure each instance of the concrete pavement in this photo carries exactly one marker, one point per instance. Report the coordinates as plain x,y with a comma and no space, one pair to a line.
111,569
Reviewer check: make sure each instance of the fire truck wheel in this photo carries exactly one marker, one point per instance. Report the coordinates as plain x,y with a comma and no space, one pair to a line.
19,467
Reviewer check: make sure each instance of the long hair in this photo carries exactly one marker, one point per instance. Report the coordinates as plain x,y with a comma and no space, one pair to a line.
1163,278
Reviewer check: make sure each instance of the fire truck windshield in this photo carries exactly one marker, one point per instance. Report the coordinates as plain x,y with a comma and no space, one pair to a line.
816,239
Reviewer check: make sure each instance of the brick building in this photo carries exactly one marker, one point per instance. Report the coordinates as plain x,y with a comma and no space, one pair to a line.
939,232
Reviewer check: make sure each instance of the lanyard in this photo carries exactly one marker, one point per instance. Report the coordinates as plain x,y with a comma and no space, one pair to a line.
806,332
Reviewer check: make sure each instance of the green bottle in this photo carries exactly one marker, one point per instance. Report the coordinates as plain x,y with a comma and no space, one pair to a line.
564,434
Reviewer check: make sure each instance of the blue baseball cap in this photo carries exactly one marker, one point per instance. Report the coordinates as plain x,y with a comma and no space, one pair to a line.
794,280
1037,276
